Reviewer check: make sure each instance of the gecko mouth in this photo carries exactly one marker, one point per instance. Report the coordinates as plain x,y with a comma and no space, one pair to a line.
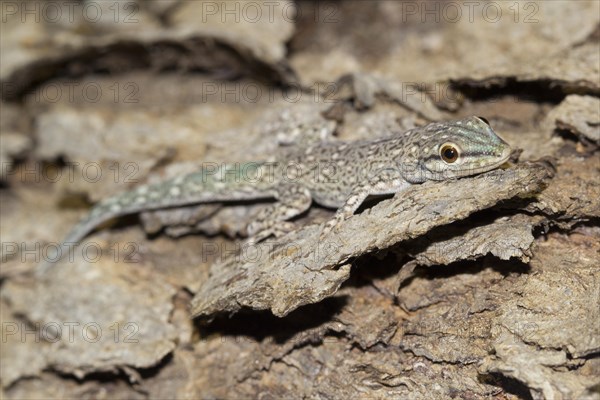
504,157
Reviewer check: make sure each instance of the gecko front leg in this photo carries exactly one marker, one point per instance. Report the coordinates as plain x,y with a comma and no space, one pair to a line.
385,182
292,200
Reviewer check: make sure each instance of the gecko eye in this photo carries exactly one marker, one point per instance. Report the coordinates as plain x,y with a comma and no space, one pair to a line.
449,153
484,120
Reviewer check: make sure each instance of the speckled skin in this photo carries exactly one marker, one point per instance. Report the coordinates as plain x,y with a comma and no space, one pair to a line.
336,175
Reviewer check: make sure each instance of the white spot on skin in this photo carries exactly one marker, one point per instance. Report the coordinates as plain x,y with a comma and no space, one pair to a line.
175,191
140,199
142,190
154,195
192,187
115,208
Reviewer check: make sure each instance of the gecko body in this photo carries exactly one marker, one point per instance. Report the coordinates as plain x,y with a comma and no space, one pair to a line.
338,175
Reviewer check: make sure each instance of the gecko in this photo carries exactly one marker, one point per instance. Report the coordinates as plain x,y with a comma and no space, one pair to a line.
336,174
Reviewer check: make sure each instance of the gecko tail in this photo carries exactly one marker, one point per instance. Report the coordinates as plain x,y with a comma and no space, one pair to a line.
144,197
73,240
196,187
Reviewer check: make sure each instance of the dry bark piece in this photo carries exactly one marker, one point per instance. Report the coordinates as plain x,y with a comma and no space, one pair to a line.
12,145
545,372
177,378
297,270
572,195
414,43
335,369
52,386
28,222
19,360
233,353
261,26
578,115
106,161
546,321
451,346
368,318
450,311
14,118
327,366
527,316
506,238
567,279
241,358
219,44
365,89
119,321
572,71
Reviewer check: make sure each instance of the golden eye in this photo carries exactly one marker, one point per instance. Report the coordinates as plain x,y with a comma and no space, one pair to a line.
449,153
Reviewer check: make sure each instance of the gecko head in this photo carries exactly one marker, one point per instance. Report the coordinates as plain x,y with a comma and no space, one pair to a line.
460,148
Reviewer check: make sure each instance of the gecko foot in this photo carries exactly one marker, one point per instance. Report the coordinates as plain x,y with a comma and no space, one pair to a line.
330,226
